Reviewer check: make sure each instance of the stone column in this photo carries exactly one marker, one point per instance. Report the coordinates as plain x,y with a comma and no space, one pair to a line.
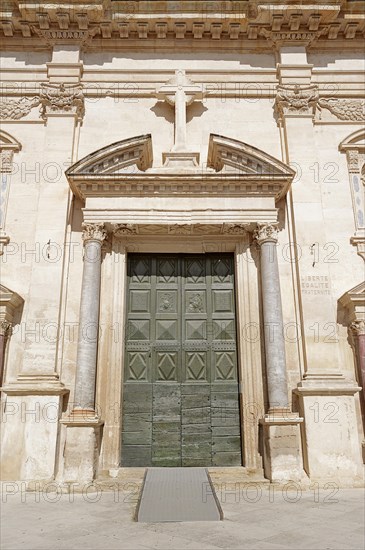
266,237
5,333
84,399
357,338
83,424
357,331
280,427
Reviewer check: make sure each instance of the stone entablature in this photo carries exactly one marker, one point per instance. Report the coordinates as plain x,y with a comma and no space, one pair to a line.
126,24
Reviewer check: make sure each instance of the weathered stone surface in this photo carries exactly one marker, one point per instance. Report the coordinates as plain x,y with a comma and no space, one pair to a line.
269,132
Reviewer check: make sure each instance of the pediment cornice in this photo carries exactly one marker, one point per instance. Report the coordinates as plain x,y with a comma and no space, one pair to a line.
115,158
234,155
125,168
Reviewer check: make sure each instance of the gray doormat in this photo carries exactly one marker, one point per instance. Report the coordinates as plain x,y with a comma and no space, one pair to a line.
178,494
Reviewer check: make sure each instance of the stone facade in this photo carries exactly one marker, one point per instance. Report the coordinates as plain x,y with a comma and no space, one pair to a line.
216,127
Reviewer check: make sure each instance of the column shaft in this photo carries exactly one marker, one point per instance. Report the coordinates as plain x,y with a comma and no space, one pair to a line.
273,321
89,320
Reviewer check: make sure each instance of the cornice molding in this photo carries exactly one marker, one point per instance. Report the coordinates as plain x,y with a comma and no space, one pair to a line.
97,24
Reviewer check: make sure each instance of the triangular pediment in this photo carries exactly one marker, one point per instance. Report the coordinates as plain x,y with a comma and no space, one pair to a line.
230,155
132,155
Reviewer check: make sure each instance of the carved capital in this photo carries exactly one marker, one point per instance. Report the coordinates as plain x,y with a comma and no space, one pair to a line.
16,108
266,232
123,229
5,328
344,109
357,328
296,100
6,160
352,160
93,232
62,99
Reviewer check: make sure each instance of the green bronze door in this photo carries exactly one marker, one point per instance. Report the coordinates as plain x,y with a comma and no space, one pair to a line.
180,390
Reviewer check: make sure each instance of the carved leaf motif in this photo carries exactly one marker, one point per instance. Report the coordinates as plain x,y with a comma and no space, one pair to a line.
16,108
344,109
296,99
59,98
266,232
94,231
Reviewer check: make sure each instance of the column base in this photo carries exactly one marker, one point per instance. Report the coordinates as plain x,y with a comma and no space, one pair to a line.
82,447
282,446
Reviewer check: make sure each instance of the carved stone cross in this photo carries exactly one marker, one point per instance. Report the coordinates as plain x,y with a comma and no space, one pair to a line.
180,91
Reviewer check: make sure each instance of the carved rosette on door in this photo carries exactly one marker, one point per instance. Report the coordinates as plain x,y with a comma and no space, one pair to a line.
180,391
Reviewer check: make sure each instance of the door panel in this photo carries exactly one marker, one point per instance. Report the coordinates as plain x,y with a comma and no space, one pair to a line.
180,391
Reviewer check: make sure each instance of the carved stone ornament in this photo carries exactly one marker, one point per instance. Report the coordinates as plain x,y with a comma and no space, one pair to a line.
62,98
122,229
53,36
266,232
180,229
357,327
344,109
276,38
6,160
93,231
235,228
16,108
5,328
298,100
352,160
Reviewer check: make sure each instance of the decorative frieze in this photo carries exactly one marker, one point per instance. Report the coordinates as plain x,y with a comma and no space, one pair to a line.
62,99
304,36
266,232
94,232
344,109
54,36
16,108
123,229
296,100
180,229
235,228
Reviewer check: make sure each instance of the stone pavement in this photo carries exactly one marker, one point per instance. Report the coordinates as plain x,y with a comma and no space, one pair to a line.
256,517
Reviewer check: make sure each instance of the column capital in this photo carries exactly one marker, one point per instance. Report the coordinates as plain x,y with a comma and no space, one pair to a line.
296,100
93,232
6,328
266,232
357,328
62,99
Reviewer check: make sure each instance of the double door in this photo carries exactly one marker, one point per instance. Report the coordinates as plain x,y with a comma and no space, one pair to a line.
180,389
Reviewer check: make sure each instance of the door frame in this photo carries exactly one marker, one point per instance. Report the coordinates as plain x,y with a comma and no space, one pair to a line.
110,372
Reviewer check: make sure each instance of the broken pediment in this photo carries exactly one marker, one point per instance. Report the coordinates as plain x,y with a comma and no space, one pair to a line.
354,141
129,155
230,155
233,168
